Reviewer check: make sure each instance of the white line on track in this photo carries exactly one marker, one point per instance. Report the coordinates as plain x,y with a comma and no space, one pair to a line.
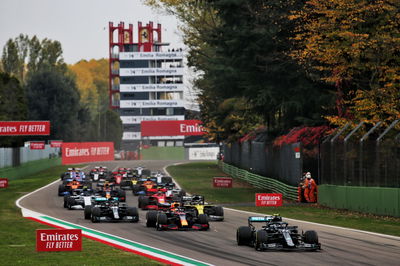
295,220
17,202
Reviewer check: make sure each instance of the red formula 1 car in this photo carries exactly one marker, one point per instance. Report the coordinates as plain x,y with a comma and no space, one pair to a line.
177,218
157,201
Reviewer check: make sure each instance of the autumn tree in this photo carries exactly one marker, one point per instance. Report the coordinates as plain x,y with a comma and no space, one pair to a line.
353,45
239,50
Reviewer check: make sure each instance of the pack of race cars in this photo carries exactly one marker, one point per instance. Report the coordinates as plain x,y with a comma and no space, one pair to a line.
101,194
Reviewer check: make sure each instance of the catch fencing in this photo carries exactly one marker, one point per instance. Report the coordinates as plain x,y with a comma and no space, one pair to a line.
13,157
359,162
283,163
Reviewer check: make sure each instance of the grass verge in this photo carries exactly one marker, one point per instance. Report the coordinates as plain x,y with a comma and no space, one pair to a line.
196,178
18,235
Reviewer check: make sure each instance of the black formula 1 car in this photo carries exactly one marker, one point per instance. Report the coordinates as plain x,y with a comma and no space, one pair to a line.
77,198
108,190
177,218
196,202
99,173
276,235
110,210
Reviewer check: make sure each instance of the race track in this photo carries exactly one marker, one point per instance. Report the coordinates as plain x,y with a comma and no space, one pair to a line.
218,245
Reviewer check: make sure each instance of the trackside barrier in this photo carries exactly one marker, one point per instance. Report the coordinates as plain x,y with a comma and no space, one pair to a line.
288,192
375,200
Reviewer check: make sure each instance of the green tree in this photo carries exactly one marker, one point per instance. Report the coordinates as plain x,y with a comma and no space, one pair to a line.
13,106
53,96
240,50
23,57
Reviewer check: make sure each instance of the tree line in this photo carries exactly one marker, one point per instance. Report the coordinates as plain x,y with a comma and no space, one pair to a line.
284,64
36,84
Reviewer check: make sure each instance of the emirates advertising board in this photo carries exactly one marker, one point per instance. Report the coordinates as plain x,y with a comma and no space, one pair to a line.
37,145
269,199
3,182
224,182
82,152
172,128
24,128
58,240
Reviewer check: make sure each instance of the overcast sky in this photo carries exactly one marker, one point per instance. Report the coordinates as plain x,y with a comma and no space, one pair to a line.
80,25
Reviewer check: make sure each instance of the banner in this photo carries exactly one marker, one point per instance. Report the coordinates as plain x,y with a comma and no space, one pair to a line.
56,143
203,153
172,128
17,128
37,145
225,182
269,199
81,152
3,182
58,240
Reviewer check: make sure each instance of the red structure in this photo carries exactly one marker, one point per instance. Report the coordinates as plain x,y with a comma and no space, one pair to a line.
121,40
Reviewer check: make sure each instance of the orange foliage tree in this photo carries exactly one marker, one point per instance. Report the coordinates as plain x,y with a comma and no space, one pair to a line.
354,45
92,81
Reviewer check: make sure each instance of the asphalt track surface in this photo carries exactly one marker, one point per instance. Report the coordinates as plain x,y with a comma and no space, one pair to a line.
218,245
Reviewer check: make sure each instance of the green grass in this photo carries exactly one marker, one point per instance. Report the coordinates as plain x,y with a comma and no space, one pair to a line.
196,178
18,236
163,153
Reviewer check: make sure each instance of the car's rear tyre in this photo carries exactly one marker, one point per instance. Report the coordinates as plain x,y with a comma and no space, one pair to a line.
133,211
261,237
87,212
166,179
243,235
202,219
96,211
65,201
143,202
182,193
162,218
151,219
70,203
61,189
219,211
135,189
311,237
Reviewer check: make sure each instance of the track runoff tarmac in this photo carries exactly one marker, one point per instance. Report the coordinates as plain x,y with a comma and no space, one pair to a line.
340,246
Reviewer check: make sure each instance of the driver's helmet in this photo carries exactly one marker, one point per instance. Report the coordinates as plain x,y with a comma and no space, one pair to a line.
176,204
276,218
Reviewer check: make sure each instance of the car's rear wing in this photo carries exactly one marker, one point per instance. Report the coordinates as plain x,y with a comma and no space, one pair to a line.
259,219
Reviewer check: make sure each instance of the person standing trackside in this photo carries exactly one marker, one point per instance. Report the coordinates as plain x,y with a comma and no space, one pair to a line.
310,188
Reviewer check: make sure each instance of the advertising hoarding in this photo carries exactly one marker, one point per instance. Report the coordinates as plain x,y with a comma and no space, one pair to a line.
225,182
172,128
81,152
58,240
37,145
269,199
24,128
